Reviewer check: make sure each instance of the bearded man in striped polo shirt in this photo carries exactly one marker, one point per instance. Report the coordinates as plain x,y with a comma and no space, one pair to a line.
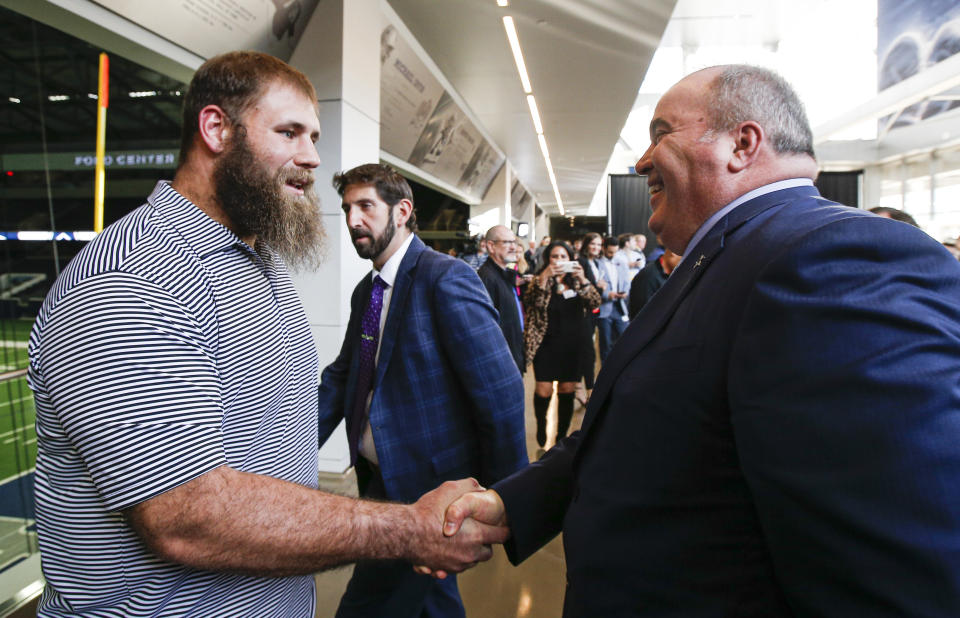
176,385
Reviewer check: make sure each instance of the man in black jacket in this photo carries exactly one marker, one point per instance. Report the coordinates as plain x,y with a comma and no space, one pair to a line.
500,282
650,279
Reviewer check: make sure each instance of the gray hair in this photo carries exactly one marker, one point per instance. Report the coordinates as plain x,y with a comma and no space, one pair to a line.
742,92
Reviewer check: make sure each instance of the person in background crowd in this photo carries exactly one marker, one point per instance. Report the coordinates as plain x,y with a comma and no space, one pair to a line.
626,255
500,279
530,255
577,242
175,379
424,378
951,246
894,213
639,244
651,279
538,259
523,269
612,319
476,253
777,434
558,302
590,262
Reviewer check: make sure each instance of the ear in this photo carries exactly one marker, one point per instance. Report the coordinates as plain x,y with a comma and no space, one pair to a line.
749,137
402,211
214,128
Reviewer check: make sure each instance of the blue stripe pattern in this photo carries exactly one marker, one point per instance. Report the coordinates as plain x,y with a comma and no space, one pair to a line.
168,347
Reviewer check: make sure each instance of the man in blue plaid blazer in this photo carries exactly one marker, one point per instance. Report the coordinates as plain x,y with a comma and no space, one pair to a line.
442,398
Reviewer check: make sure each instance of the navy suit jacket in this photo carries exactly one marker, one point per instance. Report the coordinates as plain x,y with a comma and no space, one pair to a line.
777,434
447,396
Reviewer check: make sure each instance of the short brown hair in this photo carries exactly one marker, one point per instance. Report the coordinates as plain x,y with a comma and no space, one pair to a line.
234,82
391,187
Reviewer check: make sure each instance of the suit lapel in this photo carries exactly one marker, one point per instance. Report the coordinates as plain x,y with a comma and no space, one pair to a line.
663,304
398,297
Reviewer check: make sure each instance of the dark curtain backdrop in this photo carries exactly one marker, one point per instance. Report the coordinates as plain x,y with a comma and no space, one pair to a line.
842,187
629,207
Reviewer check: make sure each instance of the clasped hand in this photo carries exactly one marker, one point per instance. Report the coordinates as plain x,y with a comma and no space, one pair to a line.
466,520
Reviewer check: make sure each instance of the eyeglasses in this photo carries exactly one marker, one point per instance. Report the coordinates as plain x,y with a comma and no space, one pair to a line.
504,242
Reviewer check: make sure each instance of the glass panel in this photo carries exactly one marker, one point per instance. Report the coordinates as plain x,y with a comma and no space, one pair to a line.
47,151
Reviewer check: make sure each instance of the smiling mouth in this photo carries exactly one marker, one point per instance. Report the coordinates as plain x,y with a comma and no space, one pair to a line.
297,185
655,188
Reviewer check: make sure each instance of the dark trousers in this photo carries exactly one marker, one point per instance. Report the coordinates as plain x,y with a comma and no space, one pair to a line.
391,588
587,354
609,330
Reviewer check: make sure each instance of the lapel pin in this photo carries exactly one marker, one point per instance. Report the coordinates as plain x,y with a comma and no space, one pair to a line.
699,261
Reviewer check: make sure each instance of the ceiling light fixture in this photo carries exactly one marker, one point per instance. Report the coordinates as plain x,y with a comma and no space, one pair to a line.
503,2
514,40
543,146
517,53
535,114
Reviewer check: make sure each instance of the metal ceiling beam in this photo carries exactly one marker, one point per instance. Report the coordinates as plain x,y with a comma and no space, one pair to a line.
934,80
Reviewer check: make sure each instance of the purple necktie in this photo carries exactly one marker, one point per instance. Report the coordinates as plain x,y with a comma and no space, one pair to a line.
369,335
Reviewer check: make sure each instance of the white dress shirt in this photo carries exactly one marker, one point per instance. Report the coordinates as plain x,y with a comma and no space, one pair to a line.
389,275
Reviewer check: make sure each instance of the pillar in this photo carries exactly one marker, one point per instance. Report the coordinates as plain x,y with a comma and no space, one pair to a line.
339,52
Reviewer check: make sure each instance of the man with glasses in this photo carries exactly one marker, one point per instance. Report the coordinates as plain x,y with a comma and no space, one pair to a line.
501,283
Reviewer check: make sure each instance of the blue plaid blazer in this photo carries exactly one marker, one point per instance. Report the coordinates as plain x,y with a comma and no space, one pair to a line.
448,398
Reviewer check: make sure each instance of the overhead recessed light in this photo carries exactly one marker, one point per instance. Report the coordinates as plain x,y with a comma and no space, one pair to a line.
503,2
535,114
514,40
517,53
543,147
13,99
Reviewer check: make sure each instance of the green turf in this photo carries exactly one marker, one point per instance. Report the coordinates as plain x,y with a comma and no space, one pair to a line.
18,438
14,335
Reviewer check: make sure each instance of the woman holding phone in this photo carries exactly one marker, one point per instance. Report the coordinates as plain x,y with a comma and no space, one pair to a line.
559,301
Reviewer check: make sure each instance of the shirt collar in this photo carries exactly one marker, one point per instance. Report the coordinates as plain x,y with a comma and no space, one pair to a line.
389,271
746,197
203,234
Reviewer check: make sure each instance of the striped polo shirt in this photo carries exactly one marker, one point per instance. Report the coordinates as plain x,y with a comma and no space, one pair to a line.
167,347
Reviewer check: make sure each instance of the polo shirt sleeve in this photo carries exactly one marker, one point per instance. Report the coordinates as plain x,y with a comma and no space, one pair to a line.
132,380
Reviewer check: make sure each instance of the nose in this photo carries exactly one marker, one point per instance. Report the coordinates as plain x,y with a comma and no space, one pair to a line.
644,165
307,155
352,215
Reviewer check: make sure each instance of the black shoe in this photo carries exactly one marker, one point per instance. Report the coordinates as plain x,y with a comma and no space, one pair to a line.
541,436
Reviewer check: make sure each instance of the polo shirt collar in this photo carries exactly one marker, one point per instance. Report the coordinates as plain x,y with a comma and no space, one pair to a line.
203,234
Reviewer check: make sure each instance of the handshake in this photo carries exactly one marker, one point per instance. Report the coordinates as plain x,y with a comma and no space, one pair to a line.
459,522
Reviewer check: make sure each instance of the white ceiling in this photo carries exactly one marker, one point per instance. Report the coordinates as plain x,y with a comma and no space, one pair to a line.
585,58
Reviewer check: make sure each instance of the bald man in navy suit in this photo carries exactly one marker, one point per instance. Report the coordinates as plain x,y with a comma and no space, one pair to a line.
777,433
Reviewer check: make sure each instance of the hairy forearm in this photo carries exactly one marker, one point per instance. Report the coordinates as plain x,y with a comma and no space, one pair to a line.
235,521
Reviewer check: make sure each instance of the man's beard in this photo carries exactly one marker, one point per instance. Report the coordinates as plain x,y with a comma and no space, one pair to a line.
377,243
257,204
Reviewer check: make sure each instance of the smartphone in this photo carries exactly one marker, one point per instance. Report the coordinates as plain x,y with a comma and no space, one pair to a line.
566,267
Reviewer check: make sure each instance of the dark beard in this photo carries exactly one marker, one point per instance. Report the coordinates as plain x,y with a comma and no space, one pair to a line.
379,243
256,204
